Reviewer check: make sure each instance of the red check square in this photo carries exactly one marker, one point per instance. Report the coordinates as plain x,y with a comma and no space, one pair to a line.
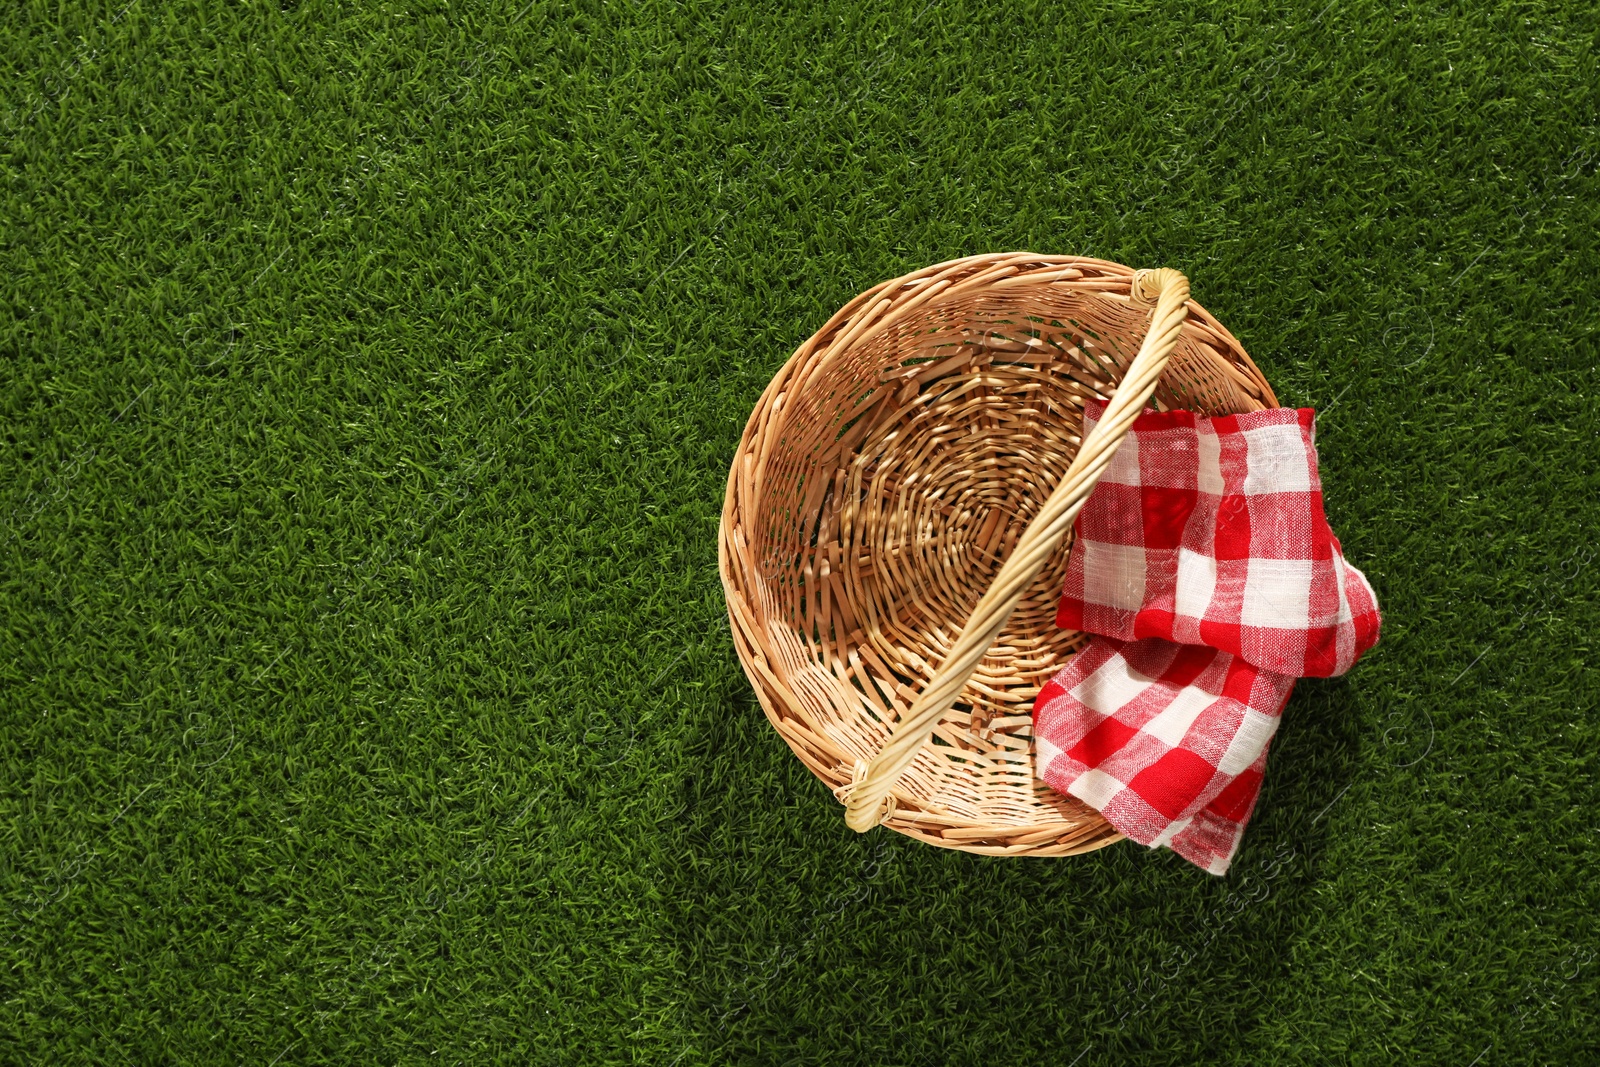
1206,571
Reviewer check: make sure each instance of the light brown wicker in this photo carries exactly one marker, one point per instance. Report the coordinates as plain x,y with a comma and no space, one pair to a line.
898,518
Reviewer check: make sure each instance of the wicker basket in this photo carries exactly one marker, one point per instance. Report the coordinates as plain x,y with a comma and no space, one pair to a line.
898,518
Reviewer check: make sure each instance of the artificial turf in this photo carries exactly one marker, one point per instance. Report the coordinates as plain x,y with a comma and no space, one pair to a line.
370,377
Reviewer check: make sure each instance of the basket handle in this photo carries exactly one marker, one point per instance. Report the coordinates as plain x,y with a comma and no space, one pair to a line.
868,801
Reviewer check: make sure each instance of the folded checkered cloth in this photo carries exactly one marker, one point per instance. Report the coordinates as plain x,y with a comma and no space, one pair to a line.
1205,569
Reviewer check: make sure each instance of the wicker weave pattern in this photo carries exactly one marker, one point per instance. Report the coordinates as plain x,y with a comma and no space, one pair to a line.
887,473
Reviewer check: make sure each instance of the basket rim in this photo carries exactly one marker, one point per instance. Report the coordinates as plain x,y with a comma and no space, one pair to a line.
744,494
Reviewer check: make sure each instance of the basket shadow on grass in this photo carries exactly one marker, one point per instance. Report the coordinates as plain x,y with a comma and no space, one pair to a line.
801,941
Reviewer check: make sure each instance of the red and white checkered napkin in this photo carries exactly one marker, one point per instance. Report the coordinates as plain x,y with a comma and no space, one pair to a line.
1207,573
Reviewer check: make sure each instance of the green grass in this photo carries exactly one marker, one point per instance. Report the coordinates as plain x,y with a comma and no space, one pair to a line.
370,377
